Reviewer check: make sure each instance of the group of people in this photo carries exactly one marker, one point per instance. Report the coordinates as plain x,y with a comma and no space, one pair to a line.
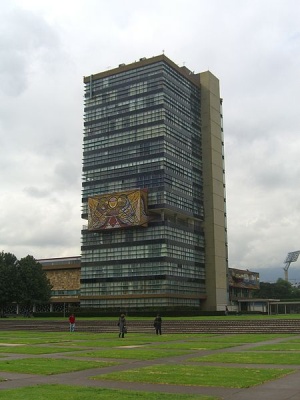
123,328
121,324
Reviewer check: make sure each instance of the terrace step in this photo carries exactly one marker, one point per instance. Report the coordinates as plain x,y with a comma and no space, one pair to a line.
169,326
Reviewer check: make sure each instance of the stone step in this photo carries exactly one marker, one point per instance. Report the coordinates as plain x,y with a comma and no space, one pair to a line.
169,326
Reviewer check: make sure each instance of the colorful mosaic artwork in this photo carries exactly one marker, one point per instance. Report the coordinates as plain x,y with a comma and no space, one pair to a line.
118,210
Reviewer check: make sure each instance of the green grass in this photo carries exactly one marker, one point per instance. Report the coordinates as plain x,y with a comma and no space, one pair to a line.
107,343
296,340
26,340
198,375
251,358
106,349
64,392
291,346
234,339
193,346
131,353
35,350
49,366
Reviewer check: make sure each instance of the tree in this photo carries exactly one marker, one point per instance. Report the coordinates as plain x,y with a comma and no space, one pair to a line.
22,282
35,286
9,279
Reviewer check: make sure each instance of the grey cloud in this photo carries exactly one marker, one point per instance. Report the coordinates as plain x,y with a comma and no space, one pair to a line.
252,46
25,38
67,175
36,192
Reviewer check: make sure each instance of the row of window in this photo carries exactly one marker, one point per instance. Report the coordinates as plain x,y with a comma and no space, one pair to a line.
181,154
141,148
136,121
145,251
151,233
127,105
141,75
147,180
181,82
65,292
139,303
134,150
152,181
121,137
137,148
121,271
141,287
176,120
141,166
97,137
186,111
111,104
127,121
119,95
144,287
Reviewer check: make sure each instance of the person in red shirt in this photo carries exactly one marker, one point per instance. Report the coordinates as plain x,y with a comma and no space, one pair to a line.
72,322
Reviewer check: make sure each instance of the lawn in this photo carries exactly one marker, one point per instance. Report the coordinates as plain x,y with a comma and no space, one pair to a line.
198,375
63,392
193,345
234,339
251,358
35,350
107,350
289,346
131,352
49,366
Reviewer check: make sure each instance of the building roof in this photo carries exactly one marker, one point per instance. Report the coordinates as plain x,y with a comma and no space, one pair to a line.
194,78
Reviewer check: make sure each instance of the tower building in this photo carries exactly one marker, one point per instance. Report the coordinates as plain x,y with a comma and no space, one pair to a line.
153,189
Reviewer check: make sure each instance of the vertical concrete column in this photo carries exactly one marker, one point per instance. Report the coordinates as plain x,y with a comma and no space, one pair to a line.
214,194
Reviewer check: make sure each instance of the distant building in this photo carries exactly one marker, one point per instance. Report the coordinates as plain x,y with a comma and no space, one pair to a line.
242,285
64,276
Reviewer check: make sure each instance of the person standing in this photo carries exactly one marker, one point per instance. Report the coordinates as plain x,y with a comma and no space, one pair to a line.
72,322
157,324
122,325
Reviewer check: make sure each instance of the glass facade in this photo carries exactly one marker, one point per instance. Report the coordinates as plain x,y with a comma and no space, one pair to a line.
142,130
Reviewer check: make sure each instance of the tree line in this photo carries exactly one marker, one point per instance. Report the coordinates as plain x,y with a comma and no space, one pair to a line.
281,289
23,282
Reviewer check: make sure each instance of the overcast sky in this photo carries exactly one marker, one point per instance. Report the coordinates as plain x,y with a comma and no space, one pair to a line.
252,46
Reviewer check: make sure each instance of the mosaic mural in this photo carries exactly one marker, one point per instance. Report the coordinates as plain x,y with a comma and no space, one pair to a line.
118,210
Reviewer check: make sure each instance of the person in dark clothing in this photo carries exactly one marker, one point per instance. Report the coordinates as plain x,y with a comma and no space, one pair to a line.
122,325
157,324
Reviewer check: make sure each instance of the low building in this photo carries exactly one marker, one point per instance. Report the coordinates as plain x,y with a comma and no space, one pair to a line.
242,284
64,276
